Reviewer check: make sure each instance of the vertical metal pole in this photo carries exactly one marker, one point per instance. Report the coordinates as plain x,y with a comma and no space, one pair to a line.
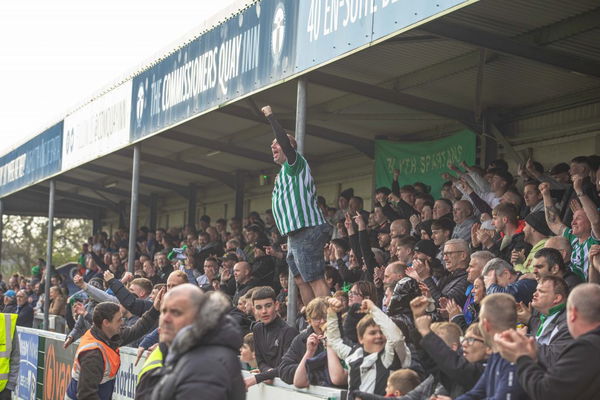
153,211
292,309
122,209
192,200
239,195
96,223
133,214
49,253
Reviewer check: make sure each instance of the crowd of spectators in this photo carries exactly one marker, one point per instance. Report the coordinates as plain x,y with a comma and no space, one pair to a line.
429,297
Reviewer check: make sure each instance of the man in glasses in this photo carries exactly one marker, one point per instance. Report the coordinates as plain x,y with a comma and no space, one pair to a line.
453,283
24,310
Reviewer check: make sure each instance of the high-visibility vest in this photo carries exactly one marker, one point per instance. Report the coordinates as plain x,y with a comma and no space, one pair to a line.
8,325
154,360
112,363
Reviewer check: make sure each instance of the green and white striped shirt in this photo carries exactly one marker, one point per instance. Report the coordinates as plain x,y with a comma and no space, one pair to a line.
294,200
580,255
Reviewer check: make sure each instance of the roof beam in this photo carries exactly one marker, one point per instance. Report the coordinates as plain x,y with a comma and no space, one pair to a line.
363,145
28,203
565,28
98,187
76,197
411,39
216,145
543,36
98,169
393,97
506,45
571,100
181,165
539,37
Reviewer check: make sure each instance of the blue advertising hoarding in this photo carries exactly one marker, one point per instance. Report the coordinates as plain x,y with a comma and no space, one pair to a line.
328,29
28,365
245,53
262,45
33,161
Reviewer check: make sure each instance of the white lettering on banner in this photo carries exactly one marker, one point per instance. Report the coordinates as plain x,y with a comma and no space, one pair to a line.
189,80
219,65
426,163
13,170
32,161
229,56
28,350
251,42
126,379
325,15
98,128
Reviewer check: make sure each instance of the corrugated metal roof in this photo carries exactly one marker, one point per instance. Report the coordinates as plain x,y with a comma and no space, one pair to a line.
508,82
396,58
586,44
515,17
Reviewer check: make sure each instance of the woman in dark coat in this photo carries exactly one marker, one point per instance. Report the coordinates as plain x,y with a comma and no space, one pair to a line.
307,361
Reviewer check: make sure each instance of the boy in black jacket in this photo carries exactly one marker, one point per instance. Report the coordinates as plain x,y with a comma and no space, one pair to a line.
272,335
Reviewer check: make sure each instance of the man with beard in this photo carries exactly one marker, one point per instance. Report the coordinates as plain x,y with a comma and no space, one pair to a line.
576,373
579,235
535,233
202,344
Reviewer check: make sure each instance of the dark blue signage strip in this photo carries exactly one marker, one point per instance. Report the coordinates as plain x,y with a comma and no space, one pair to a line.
328,29
249,51
33,161
270,41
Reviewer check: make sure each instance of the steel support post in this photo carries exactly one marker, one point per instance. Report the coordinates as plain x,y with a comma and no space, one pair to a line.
133,214
49,252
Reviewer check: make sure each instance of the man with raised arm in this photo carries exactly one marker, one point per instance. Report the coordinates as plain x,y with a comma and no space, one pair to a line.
297,214
579,235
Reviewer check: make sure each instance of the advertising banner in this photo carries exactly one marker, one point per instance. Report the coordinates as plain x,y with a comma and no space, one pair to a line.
57,368
327,29
33,161
28,347
422,161
269,41
245,53
98,128
127,377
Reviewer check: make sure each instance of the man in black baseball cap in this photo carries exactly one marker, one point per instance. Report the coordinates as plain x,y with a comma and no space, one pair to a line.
536,232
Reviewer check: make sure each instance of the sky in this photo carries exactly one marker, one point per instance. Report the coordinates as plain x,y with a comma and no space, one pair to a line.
57,54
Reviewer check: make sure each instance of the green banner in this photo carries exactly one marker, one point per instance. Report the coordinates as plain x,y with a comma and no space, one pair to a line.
422,161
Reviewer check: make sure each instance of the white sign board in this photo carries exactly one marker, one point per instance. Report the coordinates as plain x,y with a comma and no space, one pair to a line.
97,129
126,380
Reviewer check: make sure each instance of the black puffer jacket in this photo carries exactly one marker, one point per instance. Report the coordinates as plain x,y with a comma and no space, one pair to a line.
452,286
202,361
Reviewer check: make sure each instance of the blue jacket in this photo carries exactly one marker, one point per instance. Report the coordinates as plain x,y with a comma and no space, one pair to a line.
150,339
498,382
521,290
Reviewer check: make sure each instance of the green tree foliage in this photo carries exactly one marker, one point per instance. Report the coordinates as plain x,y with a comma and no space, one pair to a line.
25,239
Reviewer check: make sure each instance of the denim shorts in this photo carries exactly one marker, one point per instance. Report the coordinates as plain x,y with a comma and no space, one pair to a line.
305,251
